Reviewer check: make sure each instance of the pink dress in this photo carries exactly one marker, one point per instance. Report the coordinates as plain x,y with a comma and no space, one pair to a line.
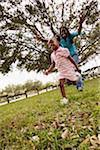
65,67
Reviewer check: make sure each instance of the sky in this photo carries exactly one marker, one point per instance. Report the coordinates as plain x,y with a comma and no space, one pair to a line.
20,77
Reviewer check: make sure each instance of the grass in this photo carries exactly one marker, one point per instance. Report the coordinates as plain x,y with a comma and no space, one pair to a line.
38,122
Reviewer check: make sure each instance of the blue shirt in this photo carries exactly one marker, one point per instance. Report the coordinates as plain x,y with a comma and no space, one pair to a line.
67,43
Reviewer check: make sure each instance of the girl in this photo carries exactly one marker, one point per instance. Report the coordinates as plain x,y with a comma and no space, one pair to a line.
65,64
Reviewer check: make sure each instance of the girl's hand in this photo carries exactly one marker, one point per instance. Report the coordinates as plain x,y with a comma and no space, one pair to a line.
45,72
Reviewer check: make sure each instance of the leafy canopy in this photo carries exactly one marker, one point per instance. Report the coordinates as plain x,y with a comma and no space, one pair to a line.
25,25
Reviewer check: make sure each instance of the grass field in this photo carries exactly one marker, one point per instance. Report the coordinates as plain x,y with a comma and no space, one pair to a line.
42,123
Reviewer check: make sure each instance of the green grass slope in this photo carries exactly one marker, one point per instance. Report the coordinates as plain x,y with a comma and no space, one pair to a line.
42,123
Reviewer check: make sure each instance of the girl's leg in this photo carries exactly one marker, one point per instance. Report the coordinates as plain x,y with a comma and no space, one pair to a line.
62,89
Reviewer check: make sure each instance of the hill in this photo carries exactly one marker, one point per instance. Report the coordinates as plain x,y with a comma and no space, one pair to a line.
42,123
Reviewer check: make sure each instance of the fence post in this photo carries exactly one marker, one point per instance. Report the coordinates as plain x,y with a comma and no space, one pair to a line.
26,94
8,99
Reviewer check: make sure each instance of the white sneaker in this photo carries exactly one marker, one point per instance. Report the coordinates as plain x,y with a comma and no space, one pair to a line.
80,89
64,101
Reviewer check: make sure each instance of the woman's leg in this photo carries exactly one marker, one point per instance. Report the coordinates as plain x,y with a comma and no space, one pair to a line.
62,89
76,58
79,83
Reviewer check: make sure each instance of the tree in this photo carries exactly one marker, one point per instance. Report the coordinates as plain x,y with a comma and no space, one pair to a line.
10,90
37,86
25,27
28,85
48,85
18,89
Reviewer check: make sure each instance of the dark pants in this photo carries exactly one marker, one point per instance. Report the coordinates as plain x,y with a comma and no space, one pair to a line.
79,84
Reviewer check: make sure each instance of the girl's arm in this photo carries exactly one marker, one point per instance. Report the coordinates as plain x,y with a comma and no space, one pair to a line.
50,69
72,60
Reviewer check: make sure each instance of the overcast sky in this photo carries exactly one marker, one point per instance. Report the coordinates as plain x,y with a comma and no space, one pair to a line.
20,77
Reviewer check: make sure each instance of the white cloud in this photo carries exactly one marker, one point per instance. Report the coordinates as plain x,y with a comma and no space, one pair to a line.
20,77
95,61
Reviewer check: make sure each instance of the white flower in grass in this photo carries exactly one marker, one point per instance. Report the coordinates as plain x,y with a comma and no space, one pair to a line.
35,138
65,134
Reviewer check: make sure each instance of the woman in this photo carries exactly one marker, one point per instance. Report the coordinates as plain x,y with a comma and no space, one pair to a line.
66,41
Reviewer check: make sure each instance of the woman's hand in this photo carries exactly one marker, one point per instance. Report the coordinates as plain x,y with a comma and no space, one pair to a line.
82,18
